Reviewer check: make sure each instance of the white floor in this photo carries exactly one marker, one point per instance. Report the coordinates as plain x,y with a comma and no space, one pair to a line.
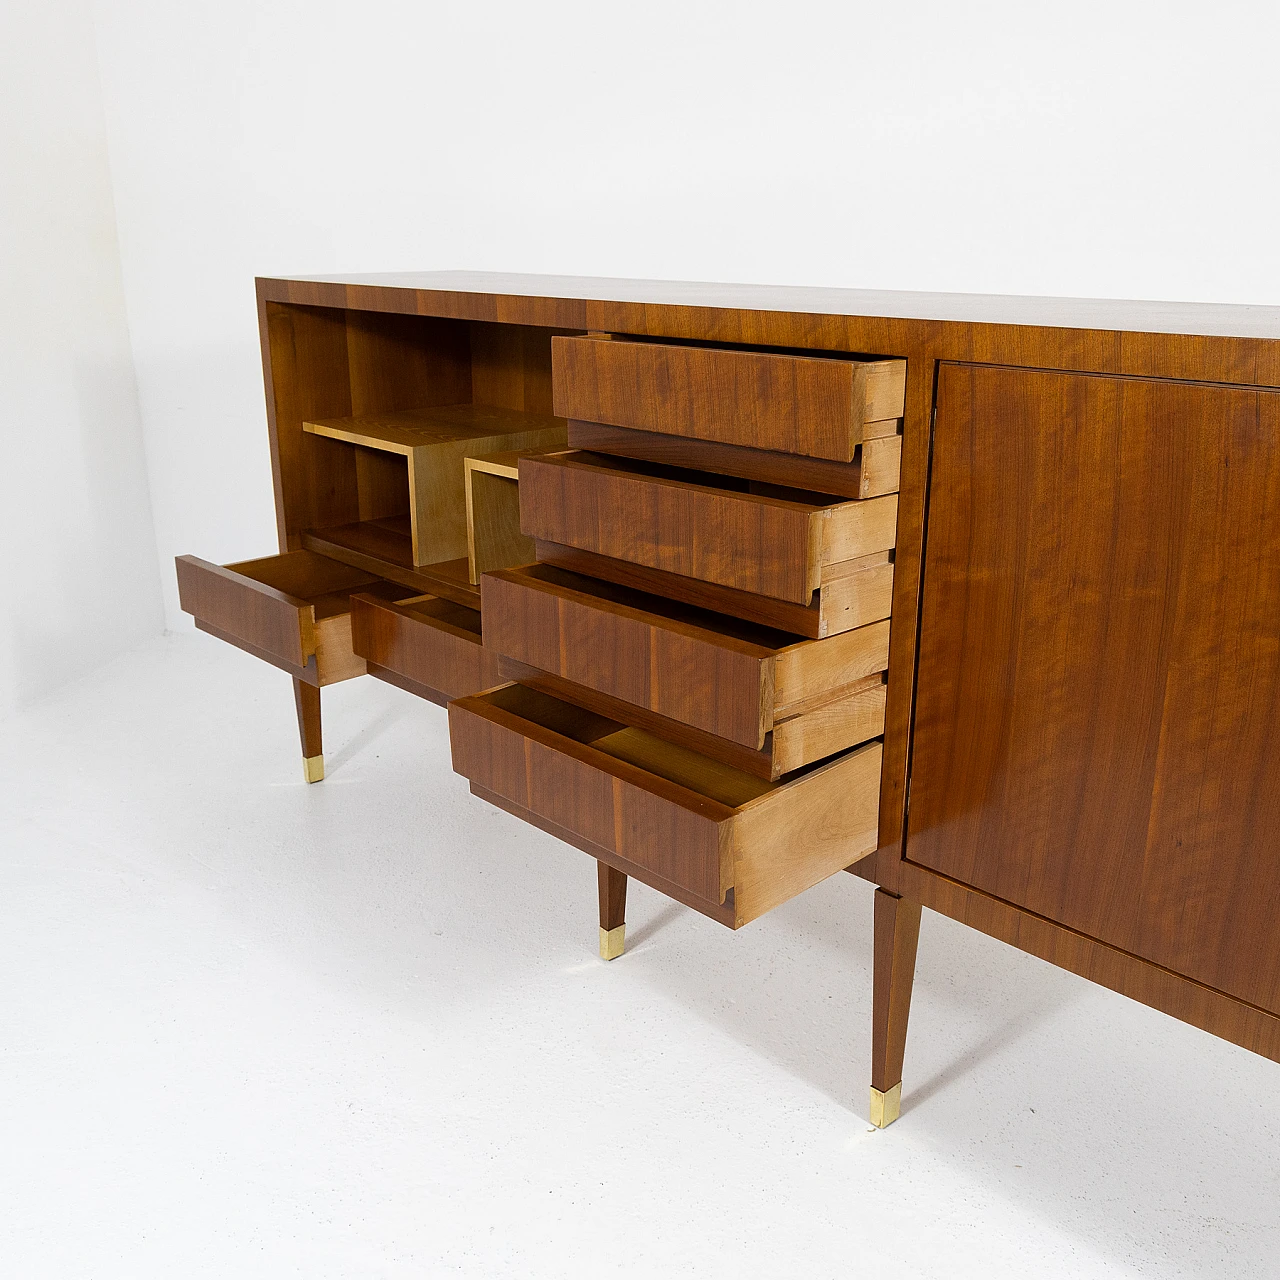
254,1028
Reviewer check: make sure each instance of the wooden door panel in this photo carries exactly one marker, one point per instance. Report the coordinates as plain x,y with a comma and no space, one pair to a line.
1096,735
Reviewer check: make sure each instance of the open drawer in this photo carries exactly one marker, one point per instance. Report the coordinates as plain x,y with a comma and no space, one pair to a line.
431,647
764,539
783,702
292,610
821,404
709,835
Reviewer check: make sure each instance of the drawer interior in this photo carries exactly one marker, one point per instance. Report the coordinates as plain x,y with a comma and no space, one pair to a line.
685,768
669,474
729,844
434,610
326,584
628,598
292,610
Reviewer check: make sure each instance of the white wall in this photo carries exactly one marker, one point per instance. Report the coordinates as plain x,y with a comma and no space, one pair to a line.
79,559
1114,149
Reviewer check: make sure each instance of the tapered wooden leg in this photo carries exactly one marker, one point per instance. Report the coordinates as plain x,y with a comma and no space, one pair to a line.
613,910
307,699
897,931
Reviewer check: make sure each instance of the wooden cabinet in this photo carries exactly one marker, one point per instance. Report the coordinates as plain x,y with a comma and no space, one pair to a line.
978,598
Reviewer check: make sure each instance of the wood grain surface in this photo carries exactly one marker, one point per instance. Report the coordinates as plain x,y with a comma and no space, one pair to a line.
677,662
344,345
800,404
710,671
688,820
432,642
269,603
774,543
1097,731
896,937
873,471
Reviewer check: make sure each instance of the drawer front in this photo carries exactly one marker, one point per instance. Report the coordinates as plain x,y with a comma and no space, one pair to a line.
244,609
751,542
431,643
292,610
819,406
605,801
663,811
714,682
725,678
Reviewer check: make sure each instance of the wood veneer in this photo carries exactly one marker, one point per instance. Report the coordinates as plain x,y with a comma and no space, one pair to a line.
803,699
428,485
769,540
1175,919
798,404
873,471
669,812
435,645
1098,721
494,540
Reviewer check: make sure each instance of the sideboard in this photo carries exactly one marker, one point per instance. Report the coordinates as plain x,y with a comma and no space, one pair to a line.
737,587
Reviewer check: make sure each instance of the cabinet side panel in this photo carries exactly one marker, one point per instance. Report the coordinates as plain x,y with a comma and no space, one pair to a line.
308,378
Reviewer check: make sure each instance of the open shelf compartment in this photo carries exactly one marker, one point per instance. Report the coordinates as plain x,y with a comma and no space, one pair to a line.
410,464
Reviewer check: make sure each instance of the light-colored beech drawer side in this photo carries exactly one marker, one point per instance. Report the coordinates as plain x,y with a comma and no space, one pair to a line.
753,686
729,844
434,646
875,470
859,597
292,610
780,542
821,406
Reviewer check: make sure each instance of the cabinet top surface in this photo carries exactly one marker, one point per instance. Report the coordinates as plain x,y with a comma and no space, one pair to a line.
1192,318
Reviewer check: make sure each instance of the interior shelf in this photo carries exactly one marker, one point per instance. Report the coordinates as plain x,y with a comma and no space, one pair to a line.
410,463
411,429
384,547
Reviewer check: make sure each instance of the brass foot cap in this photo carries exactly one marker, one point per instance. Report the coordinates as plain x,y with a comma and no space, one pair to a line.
886,1107
612,942
313,768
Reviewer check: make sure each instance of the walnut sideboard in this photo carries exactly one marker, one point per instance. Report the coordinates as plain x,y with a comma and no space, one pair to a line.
734,588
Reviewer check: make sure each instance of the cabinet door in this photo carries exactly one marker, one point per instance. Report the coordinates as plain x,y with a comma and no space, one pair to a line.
1097,725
